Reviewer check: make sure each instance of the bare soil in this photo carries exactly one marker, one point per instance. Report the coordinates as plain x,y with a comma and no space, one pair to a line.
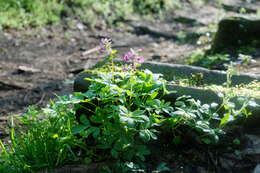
36,64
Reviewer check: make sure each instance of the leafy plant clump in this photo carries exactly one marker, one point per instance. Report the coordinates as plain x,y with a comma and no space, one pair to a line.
24,13
20,13
216,61
221,60
40,138
121,112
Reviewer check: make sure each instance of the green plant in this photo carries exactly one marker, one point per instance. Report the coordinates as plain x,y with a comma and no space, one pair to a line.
216,61
19,13
122,110
122,113
232,111
148,6
23,13
40,139
191,115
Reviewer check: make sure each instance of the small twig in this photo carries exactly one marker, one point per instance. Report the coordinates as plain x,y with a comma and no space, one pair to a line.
28,69
40,101
4,118
14,86
25,97
90,51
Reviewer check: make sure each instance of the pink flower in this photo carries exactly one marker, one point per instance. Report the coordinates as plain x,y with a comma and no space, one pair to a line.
132,56
106,41
102,49
105,45
128,56
139,59
126,68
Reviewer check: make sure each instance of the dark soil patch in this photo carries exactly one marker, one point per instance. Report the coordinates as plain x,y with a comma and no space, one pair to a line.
55,51
36,64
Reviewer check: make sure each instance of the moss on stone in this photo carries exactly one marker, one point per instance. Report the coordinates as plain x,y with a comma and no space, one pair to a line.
235,32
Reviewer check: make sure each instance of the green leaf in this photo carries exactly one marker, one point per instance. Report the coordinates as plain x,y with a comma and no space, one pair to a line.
177,140
123,110
162,167
216,137
144,117
225,119
103,146
214,105
179,103
236,141
144,135
95,131
238,153
138,112
156,76
84,120
206,140
78,129
221,95
129,93
114,153
142,150
152,135
241,100
127,120
89,131
154,95
231,105
87,160
96,119
252,103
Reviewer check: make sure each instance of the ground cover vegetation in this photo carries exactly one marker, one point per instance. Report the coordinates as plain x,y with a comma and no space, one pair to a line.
36,13
23,13
74,129
251,89
121,112
222,60
219,52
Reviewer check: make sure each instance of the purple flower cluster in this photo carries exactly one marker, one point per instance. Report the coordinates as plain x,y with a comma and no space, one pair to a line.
105,45
132,56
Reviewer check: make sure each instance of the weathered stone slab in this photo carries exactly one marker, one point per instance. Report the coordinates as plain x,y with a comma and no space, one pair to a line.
171,71
235,32
174,71
206,96
80,84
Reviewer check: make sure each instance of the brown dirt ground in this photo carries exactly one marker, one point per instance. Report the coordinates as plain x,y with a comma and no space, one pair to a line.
36,64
